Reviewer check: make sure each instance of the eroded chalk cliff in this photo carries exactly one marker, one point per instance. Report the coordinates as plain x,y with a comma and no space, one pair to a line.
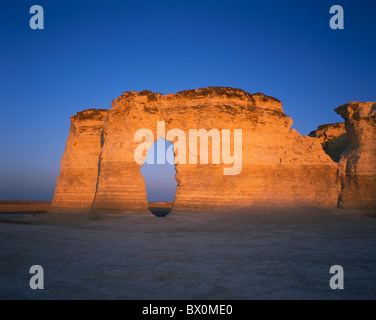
279,166
333,138
100,174
357,166
78,177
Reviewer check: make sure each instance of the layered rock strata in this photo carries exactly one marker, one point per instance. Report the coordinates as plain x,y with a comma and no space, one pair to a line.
333,138
77,182
357,166
279,166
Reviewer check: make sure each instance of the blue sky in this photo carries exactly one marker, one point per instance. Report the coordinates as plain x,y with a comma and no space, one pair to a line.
90,52
158,173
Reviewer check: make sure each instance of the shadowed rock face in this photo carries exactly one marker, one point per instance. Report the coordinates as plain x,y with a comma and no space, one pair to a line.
357,166
279,166
333,138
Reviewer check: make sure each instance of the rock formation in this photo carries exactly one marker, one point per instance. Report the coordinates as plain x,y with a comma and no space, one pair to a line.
279,166
357,166
333,138
77,182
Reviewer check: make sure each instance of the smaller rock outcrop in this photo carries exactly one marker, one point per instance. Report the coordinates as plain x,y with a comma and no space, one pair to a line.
333,138
357,166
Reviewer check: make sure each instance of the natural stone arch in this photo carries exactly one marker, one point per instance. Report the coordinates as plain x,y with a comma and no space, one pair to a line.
280,166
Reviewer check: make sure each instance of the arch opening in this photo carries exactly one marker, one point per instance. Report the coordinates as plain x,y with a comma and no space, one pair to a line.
158,171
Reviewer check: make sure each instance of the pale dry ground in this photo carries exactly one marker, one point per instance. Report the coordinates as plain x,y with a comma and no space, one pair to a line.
261,254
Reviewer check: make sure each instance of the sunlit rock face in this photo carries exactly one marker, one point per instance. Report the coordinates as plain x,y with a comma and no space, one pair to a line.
357,166
78,177
279,167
